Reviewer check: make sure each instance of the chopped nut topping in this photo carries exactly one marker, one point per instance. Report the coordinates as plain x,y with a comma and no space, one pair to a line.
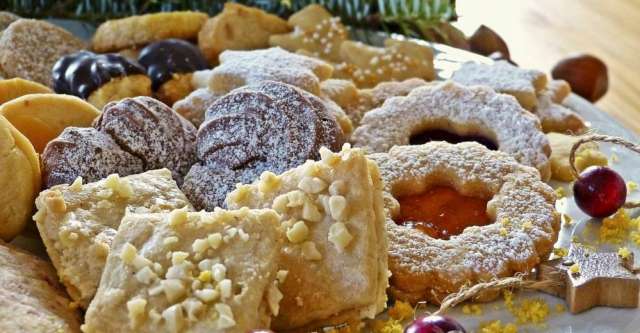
295,198
337,206
215,240
339,235
328,157
178,257
173,289
139,262
207,295
240,195
76,186
274,296
243,235
338,187
269,182
145,275
280,203
298,233
136,308
310,212
219,272
226,289
55,202
120,186
173,318
200,245
310,252
312,185
128,254
225,316
205,276
168,241
177,217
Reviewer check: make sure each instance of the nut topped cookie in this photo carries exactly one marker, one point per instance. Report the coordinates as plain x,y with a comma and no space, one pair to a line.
30,48
239,68
478,113
332,212
78,222
190,272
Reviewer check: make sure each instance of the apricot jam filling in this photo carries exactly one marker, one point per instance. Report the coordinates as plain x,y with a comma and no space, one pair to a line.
442,212
442,135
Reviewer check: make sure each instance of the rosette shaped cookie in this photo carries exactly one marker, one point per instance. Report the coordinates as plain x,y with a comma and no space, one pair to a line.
521,206
130,136
269,126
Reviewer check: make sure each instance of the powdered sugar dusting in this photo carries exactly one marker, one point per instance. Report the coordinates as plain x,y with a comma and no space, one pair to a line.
554,116
195,104
521,204
462,110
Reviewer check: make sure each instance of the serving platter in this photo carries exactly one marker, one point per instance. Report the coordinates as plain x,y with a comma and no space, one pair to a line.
601,320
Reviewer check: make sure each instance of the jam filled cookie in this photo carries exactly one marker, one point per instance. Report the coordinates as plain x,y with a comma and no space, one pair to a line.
130,136
494,218
238,27
269,126
14,88
134,31
170,64
555,117
78,246
239,68
42,117
451,111
315,32
332,211
30,48
19,177
31,299
503,77
100,78
190,272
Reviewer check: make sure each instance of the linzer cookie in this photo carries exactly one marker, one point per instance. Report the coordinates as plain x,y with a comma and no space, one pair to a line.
239,68
30,48
100,78
432,258
555,117
130,136
523,84
170,64
332,212
134,31
269,126
449,110
238,27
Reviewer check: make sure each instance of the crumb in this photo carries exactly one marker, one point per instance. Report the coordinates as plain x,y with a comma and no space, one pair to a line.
496,326
401,311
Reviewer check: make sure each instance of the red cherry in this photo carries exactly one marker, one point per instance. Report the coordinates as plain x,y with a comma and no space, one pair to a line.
434,324
599,191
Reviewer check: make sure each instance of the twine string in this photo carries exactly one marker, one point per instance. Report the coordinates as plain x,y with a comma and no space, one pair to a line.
601,138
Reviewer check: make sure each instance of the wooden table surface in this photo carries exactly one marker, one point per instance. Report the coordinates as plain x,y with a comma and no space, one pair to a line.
541,32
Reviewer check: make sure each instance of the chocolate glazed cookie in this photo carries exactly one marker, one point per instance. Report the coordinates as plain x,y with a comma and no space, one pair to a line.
270,126
130,136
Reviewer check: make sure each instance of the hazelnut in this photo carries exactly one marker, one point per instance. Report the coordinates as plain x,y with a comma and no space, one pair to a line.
485,41
586,74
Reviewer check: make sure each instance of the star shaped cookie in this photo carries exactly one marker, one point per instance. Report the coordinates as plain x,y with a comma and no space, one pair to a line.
587,279
240,68
555,117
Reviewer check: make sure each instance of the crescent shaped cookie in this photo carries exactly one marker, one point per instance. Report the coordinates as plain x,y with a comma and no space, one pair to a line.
522,207
14,88
19,177
466,111
42,117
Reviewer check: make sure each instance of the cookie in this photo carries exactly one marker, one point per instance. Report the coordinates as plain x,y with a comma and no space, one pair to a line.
332,212
239,68
134,31
398,60
269,126
555,117
6,18
42,117
315,32
170,64
587,155
190,272
195,104
31,299
476,112
14,88
355,102
100,78
30,48
129,136
238,27
503,77
522,229
78,222
19,177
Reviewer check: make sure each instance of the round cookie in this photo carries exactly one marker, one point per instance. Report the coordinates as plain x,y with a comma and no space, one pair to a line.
19,180
42,117
14,88
133,31
30,48
86,153
475,111
6,18
522,206
170,64
269,126
100,78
